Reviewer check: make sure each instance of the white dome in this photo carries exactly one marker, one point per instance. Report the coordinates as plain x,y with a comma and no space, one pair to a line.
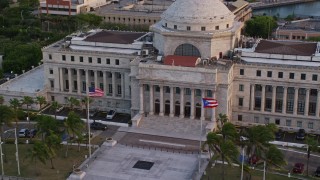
197,11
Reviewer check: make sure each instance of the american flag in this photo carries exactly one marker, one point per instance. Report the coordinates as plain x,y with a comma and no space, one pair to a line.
209,102
95,92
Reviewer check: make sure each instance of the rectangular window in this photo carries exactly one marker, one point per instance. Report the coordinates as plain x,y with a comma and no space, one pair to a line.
90,59
92,73
51,83
268,104
51,71
166,89
277,121
81,59
119,89
241,87
52,98
100,73
209,93
157,88
63,57
303,76
188,28
188,91
177,90
227,26
99,60
65,71
288,122
75,85
198,92
174,26
290,105
107,61
50,56
310,125
280,74
269,74
266,120
291,75
118,75
217,28
314,77
84,86
258,72
299,124
300,107
117,61
203,28
279,105
83,72
241,71
147,87
239,117
241,102
110,88
72,58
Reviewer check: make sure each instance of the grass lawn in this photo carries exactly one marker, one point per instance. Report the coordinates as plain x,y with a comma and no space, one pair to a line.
235,173
63,165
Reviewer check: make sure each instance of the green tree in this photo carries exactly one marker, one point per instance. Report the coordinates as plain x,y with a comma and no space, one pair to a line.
53,142
89,19
41,101
1,100
6,116
28,101
274,158
260,26
74,126
4,4
72,101
54,106
312,146
15,105
221,120
39,152
45,125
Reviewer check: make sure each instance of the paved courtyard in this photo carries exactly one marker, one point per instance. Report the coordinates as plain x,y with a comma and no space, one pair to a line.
119,163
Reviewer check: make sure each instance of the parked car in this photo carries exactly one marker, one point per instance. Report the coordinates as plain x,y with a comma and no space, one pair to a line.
111,114
298,168
32,133
279,135
317,172
301,134
24,132
98,126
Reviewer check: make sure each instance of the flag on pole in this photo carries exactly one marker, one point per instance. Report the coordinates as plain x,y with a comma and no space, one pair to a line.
95,92
209,103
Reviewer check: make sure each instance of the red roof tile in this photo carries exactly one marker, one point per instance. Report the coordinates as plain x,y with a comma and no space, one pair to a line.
186,61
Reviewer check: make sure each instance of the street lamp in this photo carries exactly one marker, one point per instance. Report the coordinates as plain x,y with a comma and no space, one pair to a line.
2,171
17,152
242,138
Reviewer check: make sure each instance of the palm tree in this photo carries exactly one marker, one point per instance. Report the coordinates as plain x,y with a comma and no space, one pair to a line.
1,100
28,101
46,125
274,157
54,106
15,104
222,118
73,125
53,142
39,152
41,101
224,149
312,146
73,102
6,116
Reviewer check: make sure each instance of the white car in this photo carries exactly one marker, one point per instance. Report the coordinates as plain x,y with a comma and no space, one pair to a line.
24,132
111,114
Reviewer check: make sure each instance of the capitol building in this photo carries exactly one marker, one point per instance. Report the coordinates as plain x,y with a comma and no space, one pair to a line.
194,51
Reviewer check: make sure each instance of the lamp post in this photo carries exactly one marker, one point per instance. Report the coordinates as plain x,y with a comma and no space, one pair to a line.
2,171
242,138
17,151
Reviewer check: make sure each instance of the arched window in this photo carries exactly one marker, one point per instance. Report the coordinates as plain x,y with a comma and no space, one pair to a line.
187,50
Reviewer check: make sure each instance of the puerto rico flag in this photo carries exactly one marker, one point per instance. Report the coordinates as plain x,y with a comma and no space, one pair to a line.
95,92
209,103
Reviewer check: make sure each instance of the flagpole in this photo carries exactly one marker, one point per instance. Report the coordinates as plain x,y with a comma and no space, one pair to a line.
88,125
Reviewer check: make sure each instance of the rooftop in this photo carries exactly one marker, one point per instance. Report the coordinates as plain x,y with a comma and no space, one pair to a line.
305,24
118,37
186,61
286,47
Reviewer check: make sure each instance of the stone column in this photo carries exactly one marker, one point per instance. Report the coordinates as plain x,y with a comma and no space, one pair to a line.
306,107
70,80
274,99
318,104
151,100
96,84
105,86
263,97
171,102
141,99
295,105
78,81
284,101
192,104
113,84
252,97
87,81
61,79
161,101
122,85
202,109
181,103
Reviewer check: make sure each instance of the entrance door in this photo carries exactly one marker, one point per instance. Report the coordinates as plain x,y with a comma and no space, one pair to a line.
198,111
167,107
157,106
187,110
177,108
